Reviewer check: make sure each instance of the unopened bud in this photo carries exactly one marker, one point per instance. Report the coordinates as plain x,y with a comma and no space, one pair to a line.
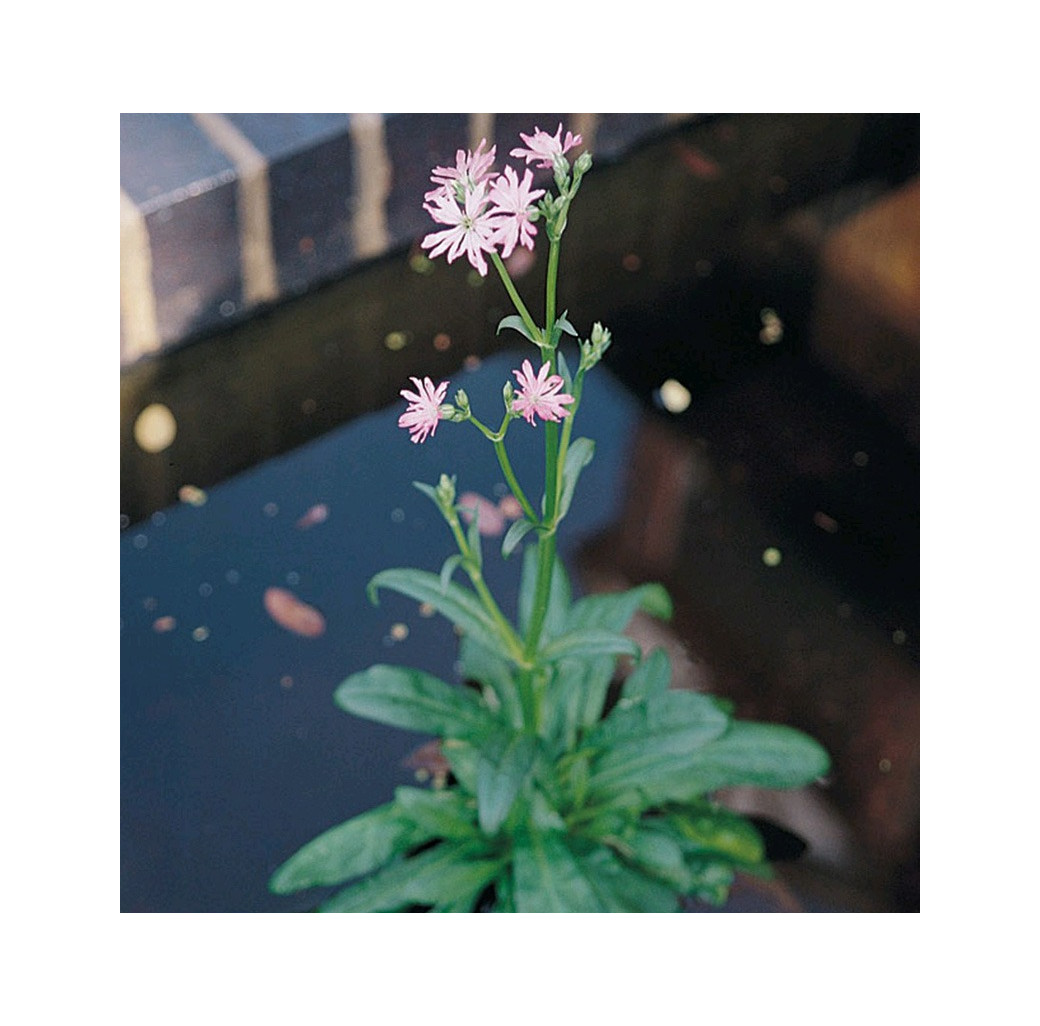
600,338
507,394
561,170
462,400
446,492
583,163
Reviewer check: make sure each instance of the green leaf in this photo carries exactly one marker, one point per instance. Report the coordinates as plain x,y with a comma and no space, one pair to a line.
516,533
447,873
413,700
623,888
575,695
660,855
502,769
562,325
460,606
563,370
644,745
547,878
351,849
481,664
444,813
612,611
753,755
516,322
705,829
588,644
449,568
559,595
651,677
462,758
579,456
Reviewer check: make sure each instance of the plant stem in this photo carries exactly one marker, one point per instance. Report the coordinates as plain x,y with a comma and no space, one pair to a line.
522,310
547,539
514,484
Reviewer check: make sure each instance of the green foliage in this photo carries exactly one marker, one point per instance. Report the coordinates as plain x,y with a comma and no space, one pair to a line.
590,812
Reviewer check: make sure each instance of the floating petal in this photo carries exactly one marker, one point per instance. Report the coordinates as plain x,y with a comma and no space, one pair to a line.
289,612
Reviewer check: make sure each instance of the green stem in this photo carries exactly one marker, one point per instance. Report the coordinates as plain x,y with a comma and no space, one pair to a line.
514,484
469,561
525,316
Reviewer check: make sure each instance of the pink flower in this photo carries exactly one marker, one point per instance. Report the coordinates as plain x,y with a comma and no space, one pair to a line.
540,394
543,147
471,230
424,408
512,203
470,170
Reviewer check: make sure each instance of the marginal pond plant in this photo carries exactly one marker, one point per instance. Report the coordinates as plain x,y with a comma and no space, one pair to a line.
556,800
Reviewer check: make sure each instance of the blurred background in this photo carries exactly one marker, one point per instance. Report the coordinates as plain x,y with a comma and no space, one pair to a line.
757,427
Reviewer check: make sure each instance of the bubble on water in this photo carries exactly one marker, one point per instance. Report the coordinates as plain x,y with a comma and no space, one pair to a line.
205,589
426,610
227,308
442,341
703,268
399,631
899,637
861,459
286,682
140,541
200,633
885,765
150,603
397,340
292,577
158,518
155,428
232,577
308,406
631,262
397,515
471,363
772,556
270,509
124,521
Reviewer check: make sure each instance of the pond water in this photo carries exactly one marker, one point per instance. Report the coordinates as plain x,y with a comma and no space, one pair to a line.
233,752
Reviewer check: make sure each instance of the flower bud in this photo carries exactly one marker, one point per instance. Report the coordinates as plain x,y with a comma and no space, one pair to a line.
582,164
462,401
446,492
561,170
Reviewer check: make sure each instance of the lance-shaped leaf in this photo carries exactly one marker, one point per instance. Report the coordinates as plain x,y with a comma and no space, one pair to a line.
442,813
559,594
622,888
445,874
516,322
460,606
612,611
518,530
481,664
586,644
579,456
651,677
348,850
643,744
753,755
413,700
547,878
502,768
703,829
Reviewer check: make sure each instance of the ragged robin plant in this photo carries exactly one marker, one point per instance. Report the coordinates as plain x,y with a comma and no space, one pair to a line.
554,802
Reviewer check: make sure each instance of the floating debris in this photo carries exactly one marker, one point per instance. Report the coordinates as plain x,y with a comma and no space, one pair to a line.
772,327
317,514
491,521
698,163
289,612
164,624
674,396
510,508
772,557
200,633
825,522
191,495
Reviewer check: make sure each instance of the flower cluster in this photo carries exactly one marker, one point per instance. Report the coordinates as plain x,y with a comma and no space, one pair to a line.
487,212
